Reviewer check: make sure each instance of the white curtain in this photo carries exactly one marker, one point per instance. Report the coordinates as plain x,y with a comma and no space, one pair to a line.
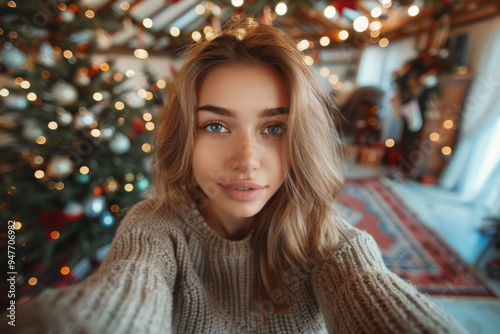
474,171
376,69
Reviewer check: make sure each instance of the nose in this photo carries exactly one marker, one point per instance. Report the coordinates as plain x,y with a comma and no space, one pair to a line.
246,155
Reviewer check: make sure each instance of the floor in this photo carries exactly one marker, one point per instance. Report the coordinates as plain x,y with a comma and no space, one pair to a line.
458,225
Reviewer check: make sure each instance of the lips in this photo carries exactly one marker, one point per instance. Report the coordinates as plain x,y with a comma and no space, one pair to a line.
242,190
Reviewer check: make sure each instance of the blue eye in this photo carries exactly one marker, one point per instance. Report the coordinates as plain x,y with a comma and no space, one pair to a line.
216,128
274,130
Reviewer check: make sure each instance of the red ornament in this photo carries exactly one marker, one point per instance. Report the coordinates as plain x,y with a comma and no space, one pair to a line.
341,4
138,125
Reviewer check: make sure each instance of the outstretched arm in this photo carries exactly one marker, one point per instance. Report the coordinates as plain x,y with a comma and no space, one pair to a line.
131,292
359,294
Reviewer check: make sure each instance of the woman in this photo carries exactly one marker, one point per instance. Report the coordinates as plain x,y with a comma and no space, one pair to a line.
241,236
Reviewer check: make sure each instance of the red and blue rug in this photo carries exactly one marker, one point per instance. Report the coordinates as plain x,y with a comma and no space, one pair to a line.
409,248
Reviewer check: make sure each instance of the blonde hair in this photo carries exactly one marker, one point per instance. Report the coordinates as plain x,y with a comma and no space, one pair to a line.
297,224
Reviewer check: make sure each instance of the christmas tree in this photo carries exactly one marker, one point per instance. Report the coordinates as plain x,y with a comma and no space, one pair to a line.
75,139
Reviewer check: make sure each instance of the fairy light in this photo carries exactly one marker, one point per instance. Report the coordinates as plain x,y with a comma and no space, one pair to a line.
32,281
200,9
128,187
59,185
338,85
18,80
25,84
281,8
52,125
12,4
383,42
343,35
97,96
89,13
115,208
413,10
4,92
65,270
324,72
309,60
18,225
448,124
141,53
142,80
38,159
39,174
374,33
150,126
196,35
209,5
13,34
95,133
62,7
174,31
104,67
333,79
375,25
146,147
376,12
303,45
330,12
45,74
361,23
40,140
118,76
237,3
119,105
147,117
125,5
54,235
446,150
324,41
11,190
434,136
84,170
142,93
31,97
389,142
147,23
67,54
130,74
161,84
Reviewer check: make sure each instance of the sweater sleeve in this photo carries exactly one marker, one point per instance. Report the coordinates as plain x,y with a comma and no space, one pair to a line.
358,294
131,292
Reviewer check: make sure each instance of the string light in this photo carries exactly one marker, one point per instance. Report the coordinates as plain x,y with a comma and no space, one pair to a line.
31,97
84,170
54,235
161,84
434,136
302,45
325,72
375,25
12,4
309,60
13,34
115,208
65,270
38,160
97,96
209,5
361,23
147,23
333,79
32,281
446,150
200,9
150,126
383,42
237,3
39,174
41,140
174,31
413,10
95,133
128,187
130,74
59,185
448,124
147,117
119,105
338,85
4,92
25,84
18,225
104,67
67,54
376,12
125,5
141,53
196,35
141,92
324,41
89,13
149,96
45,74
281,8
343,35
146,147
142,80
52,125
374,33
11,190
389,142
330,12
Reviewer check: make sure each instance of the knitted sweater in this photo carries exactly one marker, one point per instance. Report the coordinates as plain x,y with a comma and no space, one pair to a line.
165,276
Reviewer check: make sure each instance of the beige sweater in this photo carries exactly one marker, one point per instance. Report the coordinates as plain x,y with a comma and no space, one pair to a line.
167,277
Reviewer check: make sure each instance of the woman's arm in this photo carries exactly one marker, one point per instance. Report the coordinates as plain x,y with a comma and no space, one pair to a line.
131,292
360,295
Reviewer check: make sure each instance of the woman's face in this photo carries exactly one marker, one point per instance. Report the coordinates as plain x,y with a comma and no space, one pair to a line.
237,157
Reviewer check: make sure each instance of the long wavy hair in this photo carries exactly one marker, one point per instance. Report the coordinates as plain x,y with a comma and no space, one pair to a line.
297,224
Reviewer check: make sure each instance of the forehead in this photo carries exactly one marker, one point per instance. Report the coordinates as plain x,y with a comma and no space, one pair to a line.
231,87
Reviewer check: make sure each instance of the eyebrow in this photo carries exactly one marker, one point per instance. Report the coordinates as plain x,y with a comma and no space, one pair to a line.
269,112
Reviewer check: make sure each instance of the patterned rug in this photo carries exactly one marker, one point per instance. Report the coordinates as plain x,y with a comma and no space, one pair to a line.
409,248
